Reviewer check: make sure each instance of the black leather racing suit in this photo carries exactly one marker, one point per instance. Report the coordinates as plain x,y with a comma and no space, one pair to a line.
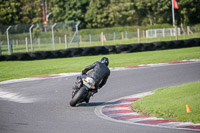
100,73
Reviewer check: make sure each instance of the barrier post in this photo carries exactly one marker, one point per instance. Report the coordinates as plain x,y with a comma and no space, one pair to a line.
31,41
102,41
9,51
77,34
26,40
17,43
90,38
122,35
188,30
163,32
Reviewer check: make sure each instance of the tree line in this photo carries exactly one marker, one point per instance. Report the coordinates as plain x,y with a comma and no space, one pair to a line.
100,13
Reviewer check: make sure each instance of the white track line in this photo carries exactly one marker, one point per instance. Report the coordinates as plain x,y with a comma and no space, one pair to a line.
15,97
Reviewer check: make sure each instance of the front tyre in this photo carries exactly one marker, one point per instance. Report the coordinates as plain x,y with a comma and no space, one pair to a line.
78,96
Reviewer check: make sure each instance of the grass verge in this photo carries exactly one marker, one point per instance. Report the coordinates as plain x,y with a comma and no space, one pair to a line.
20,69
170,103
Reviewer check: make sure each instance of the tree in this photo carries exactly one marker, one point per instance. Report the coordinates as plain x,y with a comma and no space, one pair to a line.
189,11
121,12
153,11
96,17
75,11
58,10
100,13
10,12
31,12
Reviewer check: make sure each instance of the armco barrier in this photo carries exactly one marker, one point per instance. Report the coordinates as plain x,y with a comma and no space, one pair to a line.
23,56
179,44
197,41
87,51
36,55
136,47
101,50
66,53
159,45
111,49
170,44
148,46
123,48
11,57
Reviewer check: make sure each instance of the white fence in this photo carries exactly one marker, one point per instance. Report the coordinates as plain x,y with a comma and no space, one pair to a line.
152,33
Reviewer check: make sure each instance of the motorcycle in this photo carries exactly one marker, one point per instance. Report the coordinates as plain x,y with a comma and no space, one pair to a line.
85,89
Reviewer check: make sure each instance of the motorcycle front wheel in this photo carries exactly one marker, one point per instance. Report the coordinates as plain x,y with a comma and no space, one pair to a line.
78,96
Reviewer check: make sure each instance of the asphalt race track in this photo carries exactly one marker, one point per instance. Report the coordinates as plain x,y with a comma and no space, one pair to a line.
42,106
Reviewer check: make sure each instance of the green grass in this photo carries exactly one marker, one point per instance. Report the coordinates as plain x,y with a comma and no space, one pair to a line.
21,69
170,103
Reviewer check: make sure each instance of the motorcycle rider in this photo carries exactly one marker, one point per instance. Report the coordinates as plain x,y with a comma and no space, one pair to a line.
99,74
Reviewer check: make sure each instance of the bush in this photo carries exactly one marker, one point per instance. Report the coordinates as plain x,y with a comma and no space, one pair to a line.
110,30
196,27
159,26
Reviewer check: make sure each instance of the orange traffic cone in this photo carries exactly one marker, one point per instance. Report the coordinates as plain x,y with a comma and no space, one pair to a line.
188,108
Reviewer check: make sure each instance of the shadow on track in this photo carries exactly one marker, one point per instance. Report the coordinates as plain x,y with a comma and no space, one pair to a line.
97,104
91,104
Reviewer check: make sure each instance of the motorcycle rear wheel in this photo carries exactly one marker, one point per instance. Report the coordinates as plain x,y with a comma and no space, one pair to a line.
78,96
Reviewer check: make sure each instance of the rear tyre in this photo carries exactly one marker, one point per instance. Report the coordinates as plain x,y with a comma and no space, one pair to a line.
78,96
